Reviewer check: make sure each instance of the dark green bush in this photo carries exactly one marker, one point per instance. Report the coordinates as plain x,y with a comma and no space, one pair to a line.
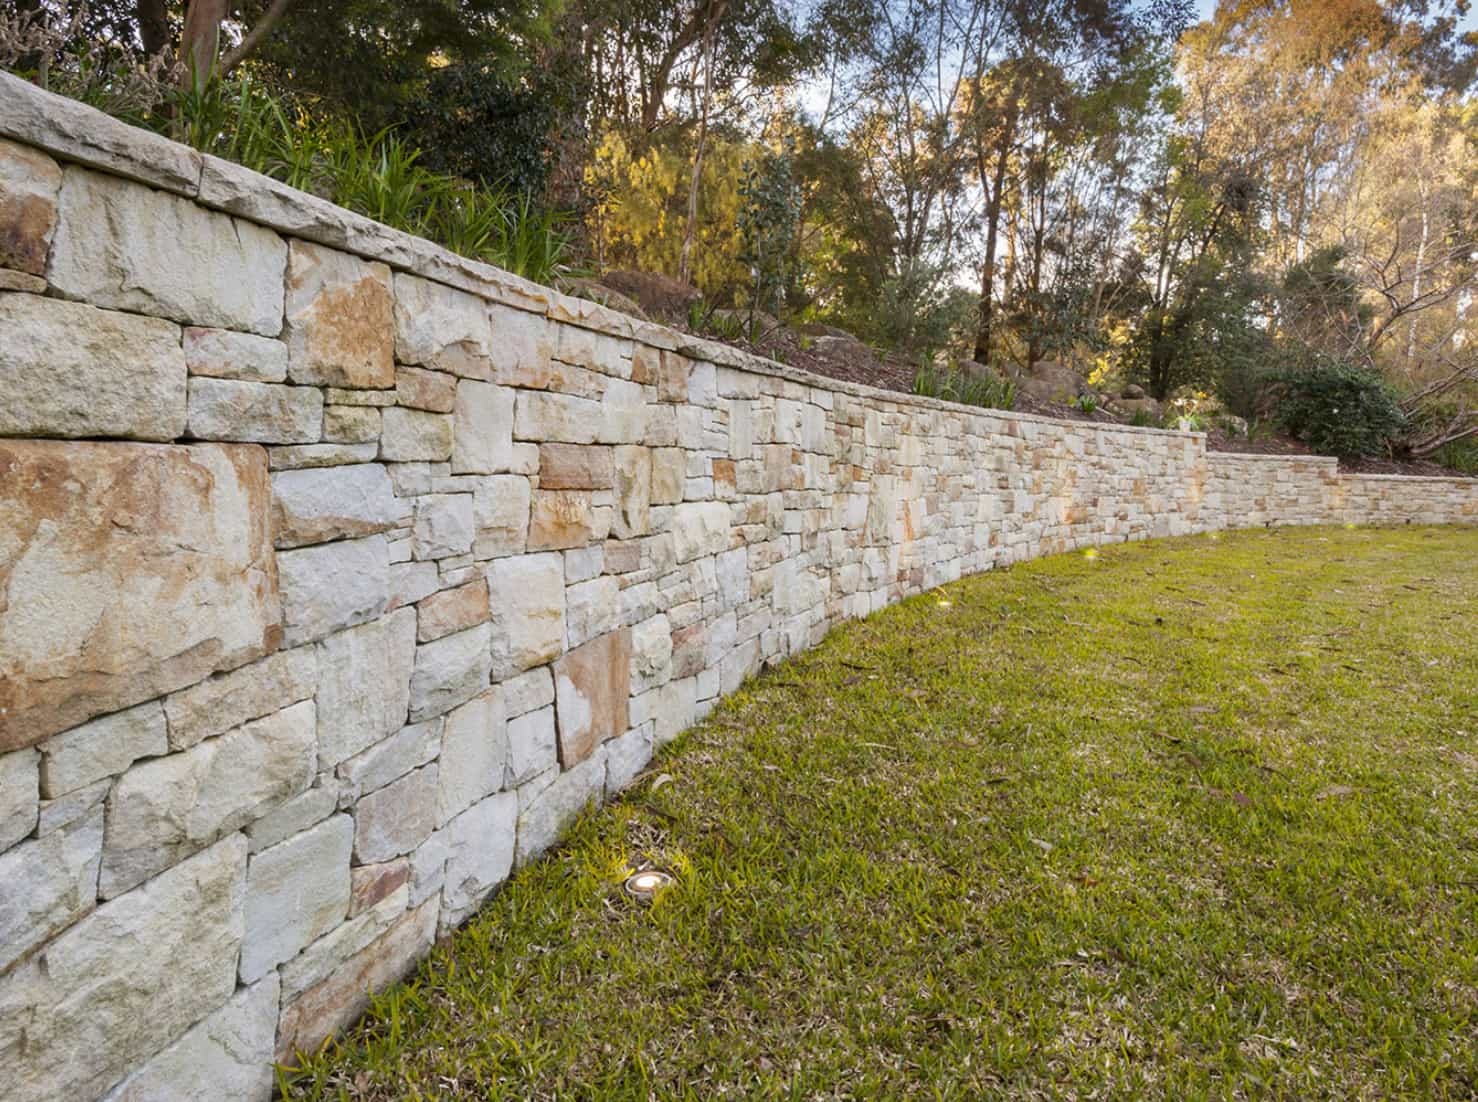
1338,409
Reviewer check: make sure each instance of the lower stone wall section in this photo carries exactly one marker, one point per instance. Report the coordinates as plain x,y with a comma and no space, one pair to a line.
338,573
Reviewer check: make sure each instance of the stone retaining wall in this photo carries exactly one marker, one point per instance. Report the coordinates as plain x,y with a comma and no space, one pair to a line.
337,573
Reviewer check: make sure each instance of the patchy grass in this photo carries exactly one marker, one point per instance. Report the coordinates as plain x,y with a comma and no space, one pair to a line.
1195,819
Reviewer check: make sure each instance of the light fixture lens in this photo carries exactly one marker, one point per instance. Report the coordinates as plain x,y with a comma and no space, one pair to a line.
647,883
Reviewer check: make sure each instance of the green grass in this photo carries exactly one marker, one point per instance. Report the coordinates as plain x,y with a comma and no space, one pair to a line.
1193,819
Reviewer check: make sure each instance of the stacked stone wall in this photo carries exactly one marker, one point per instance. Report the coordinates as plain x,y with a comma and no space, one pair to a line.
337,573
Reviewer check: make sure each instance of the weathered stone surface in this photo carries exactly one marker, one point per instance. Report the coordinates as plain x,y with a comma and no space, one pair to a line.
547,417
527,594
576,467
591,608
339,325
413,435
19,795
592,684
441,328
294,815
394,820
73,370
101,607
49,883
500,510
228,700
633,492
452,610
84,134
528,690
474,754
532,744
332,586
651,653
66,810
411,747
364,685
480,844
224,354
11,280
228,1055
449,671
411,582
124,981
296,891
483,428
164,810
669,471
624,413
444,525
626,757
351,424
29,182
314,506
121,245
292,457
545,809
335,1002
102,747
320,959
370,884
566,518
700,528
258,413
429,390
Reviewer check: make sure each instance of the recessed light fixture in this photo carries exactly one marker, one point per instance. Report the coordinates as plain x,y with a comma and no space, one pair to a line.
647,883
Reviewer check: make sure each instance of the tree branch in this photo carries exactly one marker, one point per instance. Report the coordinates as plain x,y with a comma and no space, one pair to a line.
256,36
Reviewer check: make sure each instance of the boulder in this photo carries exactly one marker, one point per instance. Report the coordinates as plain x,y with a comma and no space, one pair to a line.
658,296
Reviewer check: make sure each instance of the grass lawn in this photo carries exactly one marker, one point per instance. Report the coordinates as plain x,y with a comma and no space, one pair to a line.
1190,819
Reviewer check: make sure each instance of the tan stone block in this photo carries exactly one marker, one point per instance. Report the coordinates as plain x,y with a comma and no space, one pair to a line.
29,183
103,610
565,518
633,512
369,884
452,610
669,472
350,424
592,686
575,467
430,390
672,377
340,323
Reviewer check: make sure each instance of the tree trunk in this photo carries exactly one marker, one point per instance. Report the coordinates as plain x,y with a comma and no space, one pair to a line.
153,17
200,43
685,262
994,202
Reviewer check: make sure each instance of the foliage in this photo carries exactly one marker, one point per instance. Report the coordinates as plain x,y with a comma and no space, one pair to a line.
1086,403
769,217
970,389
1338,409
1185,820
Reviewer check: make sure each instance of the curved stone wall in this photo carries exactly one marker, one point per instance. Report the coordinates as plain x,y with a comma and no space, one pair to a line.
338,572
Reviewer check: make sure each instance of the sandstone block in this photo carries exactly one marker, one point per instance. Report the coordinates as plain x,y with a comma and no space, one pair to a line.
449,671
258,413
294,815
228,1055
528,690
500,511
591,608
651,653
29,183
624,413
323,957
413,435
331,1005
435,391
225,354
293,457
527,594
102,747
351,424
332,586
104,610
124,981
592,685
74,370
163,810
633,492
411,747
49,883
19,795
474,754
340,329
626,757
700,528
575,467
669,472
483,428
411,582
480,844
314,506
444,525
452,610
566,518
523,343
228,700
66,810
369,885
124,246
544,810
394,820
442,328
547,417
672,377
364,685
296,891
533,745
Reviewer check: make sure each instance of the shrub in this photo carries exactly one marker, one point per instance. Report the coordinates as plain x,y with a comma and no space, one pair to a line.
988,391
1338,409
